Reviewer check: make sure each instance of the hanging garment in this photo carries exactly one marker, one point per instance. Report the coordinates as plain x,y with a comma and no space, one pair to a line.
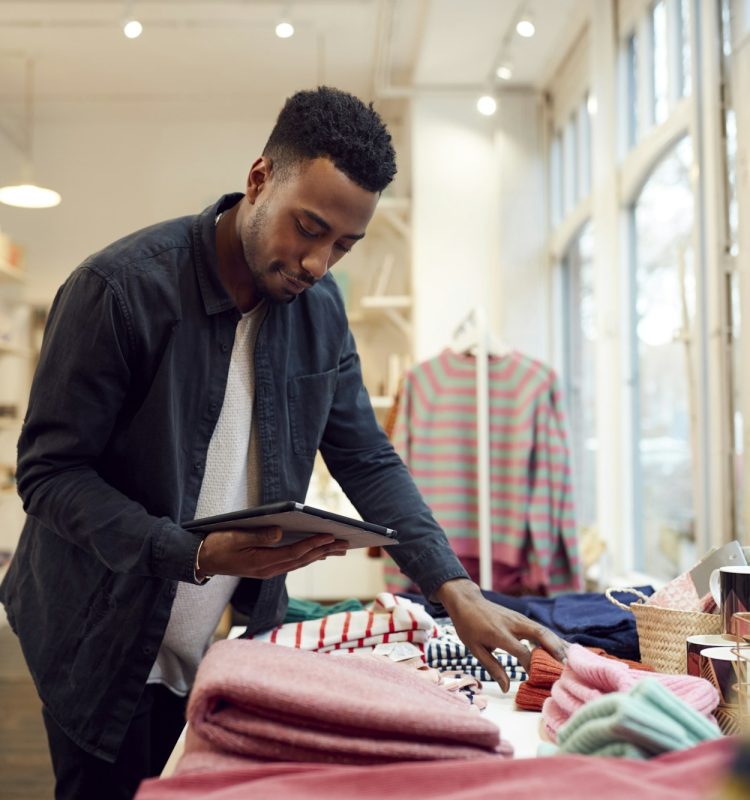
532,520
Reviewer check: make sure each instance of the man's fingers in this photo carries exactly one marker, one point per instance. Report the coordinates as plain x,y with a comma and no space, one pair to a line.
490,663
264,537
544,637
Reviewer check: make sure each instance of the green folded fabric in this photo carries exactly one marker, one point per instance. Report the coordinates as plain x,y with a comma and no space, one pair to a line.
300,610
616,749
648,720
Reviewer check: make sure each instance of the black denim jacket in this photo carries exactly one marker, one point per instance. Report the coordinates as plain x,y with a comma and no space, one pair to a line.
128,390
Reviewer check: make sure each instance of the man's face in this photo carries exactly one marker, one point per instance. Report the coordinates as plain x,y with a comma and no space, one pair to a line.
298,227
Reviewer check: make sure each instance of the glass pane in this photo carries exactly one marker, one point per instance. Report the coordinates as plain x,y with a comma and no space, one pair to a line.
661,69
685,44
737,420
555,180
580,371
570,161
584,149
665,308
632,93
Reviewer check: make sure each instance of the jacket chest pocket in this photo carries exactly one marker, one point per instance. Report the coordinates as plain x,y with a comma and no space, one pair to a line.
310,398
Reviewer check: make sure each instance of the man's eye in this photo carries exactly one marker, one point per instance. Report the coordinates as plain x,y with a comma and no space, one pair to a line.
343,248
303,230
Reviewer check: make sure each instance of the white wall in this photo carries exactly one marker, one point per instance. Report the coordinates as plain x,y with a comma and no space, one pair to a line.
478,221
116,176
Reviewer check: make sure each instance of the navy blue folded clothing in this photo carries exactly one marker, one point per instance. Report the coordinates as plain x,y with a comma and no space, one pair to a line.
520,604
584,612
589,619
586,618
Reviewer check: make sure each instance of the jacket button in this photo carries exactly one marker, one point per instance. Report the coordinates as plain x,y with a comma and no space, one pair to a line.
147,649
197,466
224,347
213,406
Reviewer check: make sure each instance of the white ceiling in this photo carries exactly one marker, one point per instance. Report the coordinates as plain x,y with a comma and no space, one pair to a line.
199,56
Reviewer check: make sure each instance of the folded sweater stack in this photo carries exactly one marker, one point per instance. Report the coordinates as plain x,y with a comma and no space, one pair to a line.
645,721
253,701
586,676
545,670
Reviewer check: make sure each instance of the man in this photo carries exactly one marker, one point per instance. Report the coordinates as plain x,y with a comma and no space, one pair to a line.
192,368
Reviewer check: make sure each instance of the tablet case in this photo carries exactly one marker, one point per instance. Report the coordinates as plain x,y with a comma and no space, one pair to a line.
298,521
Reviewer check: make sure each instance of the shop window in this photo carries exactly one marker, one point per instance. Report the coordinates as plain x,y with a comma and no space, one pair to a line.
584,148
555,180
631,104
685,65
580,353
570,165
660,62
664,380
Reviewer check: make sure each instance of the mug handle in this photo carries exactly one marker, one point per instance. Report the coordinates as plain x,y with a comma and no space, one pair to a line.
714,586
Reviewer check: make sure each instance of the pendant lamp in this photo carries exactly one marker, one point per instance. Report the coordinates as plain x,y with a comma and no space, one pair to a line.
26,194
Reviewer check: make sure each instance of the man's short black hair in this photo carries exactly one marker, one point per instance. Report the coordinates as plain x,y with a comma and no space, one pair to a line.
330,123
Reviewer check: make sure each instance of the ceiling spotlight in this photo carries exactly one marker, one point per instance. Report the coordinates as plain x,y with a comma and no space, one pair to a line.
132,29
591,104
504,72
525,27
487,105
284,30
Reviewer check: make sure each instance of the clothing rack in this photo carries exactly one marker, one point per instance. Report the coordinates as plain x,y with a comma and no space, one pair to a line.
472,335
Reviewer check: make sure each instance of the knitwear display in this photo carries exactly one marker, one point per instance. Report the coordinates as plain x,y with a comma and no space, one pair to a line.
693,774
587,676
446,651
544,670
645,721
533,527
255,701
387,619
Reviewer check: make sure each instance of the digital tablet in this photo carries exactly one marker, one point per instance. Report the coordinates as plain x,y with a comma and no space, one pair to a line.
298,521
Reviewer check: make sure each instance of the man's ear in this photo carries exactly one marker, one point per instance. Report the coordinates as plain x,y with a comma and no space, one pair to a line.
259,175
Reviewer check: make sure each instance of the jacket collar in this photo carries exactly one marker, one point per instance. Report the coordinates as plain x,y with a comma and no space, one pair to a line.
215,297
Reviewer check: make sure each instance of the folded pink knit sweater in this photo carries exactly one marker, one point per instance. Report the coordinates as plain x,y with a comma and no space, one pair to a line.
587,676
264,702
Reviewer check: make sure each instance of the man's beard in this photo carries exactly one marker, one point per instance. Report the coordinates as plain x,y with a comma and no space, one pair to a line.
260,274
250,247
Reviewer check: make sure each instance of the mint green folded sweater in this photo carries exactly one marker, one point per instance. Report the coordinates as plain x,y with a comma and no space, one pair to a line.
645,721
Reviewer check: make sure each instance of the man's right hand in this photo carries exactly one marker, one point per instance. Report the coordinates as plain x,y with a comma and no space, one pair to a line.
252,554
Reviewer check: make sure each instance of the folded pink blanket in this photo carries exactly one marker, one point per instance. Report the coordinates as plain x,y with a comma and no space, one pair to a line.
693,774
587,676
270,703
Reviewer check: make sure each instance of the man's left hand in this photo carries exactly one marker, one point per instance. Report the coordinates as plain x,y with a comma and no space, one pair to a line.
484,626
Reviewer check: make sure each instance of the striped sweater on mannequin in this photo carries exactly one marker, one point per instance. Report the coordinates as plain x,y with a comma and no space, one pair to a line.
531,504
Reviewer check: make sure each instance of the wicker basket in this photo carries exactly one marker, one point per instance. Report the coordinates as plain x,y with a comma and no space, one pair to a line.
662,631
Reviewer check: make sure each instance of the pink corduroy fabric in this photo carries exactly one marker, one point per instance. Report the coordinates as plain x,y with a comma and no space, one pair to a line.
269,703
692,774
587,676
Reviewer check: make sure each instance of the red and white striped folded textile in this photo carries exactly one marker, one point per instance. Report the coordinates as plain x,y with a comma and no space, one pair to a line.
388,619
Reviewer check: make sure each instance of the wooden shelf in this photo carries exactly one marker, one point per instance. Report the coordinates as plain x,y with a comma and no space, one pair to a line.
10,423
13,350
385,301
381,401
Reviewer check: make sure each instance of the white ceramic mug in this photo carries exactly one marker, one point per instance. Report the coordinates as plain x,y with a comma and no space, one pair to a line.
730,587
